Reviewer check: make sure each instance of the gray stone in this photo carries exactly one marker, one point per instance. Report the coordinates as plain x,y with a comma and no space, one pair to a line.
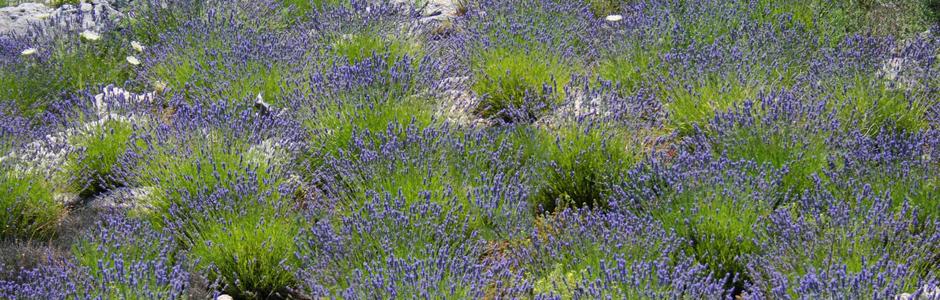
94,15
18,19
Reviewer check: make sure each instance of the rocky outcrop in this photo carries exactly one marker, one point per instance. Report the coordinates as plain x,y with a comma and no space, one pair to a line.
94,15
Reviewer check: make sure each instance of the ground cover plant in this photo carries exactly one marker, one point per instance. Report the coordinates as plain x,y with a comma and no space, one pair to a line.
451,149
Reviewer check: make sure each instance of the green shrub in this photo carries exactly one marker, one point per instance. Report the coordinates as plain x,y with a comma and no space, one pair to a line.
27,206
124,258
93,169
59,3
336,124
801,152
360,46
512,79
631,68
201,165
579,162
253,253
73,66
696,103
719,221
870,106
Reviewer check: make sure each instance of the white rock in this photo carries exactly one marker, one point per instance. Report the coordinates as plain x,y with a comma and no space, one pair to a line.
28,51
224,297
614,18
18,19
114,96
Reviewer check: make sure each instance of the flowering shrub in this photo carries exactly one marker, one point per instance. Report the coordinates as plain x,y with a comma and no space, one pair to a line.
491,149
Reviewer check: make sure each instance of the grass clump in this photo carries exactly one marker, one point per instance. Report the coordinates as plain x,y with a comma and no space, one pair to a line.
580,161
71,67
517,84
252,253
719,222
94,169
27,206
870,106
358,47
124,258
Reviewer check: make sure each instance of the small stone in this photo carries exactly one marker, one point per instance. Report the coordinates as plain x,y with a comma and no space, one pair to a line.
90,35
28,52
264,107
133,61
614,18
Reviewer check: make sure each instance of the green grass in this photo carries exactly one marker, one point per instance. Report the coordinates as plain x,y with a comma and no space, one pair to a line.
578,163
253,253
695,103
128,256
578,252
73,66
719,222
870,106
198,165
60,3
92,170
27,207
801,152
514,79
358,47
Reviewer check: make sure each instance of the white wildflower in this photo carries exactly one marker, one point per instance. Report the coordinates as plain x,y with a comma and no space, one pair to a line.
28,51
133,60
137,46
90,35
614,18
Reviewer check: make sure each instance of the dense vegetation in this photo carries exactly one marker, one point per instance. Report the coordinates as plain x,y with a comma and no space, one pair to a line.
534,149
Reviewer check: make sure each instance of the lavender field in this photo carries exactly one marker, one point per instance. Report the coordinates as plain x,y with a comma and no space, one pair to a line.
470,149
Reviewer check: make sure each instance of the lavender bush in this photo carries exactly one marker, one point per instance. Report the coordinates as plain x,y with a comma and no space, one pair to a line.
531,149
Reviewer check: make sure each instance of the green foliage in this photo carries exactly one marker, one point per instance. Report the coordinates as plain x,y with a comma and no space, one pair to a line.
870,106
367,111
93,169
155,18
253,253
579,161
801,152
719,220
695,103
73,65
602,8
358,47
514,79
631,68
574,251
201,165
132,259
27,206
60,3
181,74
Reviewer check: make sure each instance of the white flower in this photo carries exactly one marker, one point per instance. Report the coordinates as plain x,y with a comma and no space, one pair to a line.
133,60
28,51
90,35
614,18
137,46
